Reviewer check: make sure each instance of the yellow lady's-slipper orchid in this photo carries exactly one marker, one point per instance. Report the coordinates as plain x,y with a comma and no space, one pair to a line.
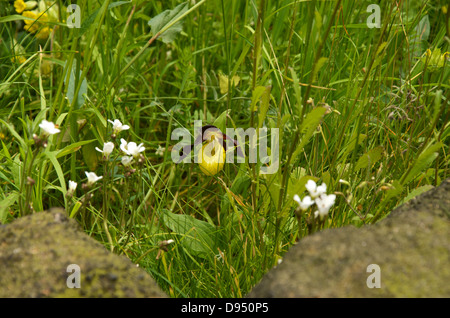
212,158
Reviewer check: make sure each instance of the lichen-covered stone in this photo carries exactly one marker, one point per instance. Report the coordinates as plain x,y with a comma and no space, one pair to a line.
36,250
411,247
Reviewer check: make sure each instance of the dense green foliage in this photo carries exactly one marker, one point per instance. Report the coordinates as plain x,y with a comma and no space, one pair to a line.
363,110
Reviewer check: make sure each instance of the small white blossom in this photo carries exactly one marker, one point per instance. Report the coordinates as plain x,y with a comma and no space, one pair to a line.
131,148
48,128
324,203
107,149
72,186
92,178
160,151
117,126
71,189
134,149
305,204
315,190
126,161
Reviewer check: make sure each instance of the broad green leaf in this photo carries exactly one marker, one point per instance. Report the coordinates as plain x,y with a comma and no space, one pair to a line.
51,155
72,86
419,36
198,237
86,24
9,200
256,96
158,22
90,156
221,120
416,192
369,158
424,161
72,148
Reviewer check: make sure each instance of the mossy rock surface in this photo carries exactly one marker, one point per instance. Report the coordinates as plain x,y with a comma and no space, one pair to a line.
36,250
411,247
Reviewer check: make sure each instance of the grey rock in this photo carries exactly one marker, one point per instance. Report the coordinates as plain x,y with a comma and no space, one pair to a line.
36,250
411,247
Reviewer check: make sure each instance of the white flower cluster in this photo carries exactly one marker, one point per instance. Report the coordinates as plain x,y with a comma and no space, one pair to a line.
318,195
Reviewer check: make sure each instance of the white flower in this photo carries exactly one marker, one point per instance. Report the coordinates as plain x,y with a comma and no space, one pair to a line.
117,126
72,186
131,148
305,204
92,178
107,149
134,149
126,161
160,151
166,242
48,128
315,190
324,203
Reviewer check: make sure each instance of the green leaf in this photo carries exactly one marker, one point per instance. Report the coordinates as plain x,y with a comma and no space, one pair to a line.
419,36
220,121
425,159
165,18
14,17
395,190
72,148
369,158
9,200
90,156
51,155
72,86
11,129
320,63
118,3
416,192
198,237
88,22
256,96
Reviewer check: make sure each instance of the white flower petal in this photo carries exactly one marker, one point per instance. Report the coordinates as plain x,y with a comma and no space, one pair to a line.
297,199
322,189
126,161
48,128
311,186
117,126
72,186
92,177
